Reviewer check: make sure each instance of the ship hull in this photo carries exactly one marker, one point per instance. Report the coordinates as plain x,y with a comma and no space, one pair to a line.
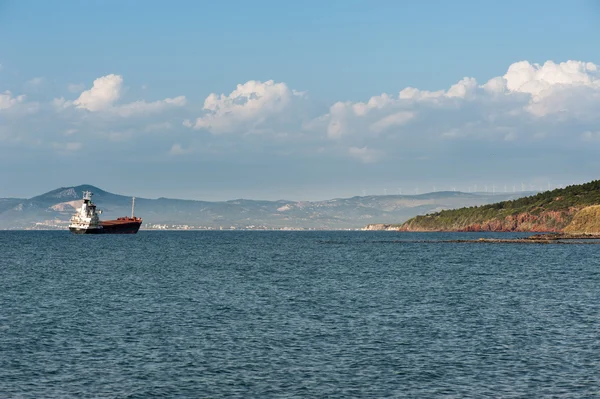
120,227
76,230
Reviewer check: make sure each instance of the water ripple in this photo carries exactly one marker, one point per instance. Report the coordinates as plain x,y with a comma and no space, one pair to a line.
295,314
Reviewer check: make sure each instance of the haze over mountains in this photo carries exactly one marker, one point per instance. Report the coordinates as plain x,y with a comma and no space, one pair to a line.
53,209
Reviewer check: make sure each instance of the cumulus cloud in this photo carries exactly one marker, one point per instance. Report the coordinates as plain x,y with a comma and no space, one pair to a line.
537,79
104,92
141,107
61,103
97,116
554,88
374,116
104,95
397,119
533,89
7,100
530,104
247,108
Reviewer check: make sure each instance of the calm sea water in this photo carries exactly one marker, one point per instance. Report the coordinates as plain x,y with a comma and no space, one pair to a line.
295,315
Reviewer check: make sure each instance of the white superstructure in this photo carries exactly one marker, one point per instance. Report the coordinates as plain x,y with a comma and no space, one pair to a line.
86,218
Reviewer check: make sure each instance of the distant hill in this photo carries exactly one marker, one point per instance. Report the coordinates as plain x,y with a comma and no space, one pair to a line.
569,209
53,209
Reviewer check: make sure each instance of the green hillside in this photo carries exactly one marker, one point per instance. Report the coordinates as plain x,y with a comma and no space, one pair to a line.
548,211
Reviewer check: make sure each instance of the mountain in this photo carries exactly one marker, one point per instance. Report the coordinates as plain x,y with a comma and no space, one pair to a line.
572,209
53,209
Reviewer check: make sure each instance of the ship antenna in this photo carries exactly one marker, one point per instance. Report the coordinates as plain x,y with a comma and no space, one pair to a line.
132,206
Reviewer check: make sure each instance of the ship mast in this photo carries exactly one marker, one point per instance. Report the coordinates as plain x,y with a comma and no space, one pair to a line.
132,206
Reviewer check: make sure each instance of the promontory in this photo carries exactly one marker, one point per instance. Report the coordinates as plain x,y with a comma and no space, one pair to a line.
574,209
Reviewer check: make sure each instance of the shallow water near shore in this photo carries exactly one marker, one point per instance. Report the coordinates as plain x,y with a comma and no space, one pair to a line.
296,314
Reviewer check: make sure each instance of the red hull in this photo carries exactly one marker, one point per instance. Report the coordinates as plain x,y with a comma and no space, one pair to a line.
124,225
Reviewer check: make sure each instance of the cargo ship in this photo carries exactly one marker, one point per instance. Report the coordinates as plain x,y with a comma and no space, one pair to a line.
87,220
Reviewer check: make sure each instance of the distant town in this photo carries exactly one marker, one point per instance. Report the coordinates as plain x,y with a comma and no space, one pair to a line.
62,225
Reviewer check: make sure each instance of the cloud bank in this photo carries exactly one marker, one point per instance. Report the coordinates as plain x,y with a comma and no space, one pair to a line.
250,107
531,106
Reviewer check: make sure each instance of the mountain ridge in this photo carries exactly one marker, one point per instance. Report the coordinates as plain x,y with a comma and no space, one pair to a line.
52,210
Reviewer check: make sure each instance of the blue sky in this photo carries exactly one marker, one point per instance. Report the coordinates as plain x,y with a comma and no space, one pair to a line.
118,94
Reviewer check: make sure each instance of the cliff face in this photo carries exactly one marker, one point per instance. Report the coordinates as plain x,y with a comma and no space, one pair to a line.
546,221
571,221
550,221
586,221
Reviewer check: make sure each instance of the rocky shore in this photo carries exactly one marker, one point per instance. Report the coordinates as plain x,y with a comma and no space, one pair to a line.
550,238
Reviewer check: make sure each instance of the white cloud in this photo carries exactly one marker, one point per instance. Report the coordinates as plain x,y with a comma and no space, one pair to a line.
142,107
537,79
571,89
375,116
495,85
61,103
531,104
554,88
411,93
103,94
463,89
245,109
397,119
7,100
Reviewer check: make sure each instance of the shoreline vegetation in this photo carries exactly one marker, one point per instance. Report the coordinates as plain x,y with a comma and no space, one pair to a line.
569,213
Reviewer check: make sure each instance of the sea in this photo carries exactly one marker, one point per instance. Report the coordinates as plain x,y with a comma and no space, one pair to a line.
298,314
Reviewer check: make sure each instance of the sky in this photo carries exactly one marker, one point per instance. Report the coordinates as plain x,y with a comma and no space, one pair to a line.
302,100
